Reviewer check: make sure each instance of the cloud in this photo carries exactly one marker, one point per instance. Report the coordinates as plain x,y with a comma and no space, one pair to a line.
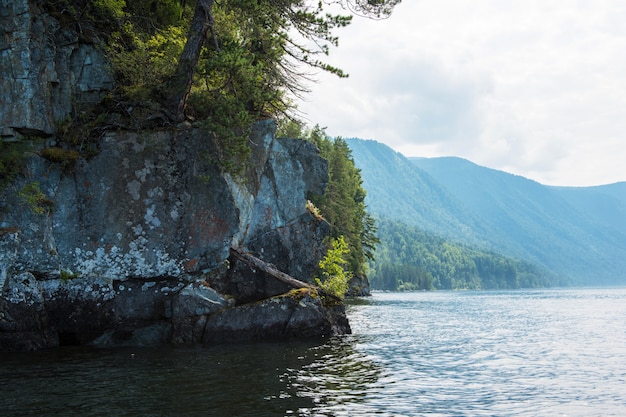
404,100
532,87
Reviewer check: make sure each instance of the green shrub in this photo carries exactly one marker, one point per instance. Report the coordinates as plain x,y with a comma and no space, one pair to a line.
332,267
60,155
67,275
36,201
143,62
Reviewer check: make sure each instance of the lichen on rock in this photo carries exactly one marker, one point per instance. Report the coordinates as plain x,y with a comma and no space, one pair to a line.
157,258
133,246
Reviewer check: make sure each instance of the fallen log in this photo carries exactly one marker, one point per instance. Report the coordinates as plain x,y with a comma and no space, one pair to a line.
256,263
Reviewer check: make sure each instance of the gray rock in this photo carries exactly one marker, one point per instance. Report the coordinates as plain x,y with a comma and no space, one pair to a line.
48,74
138,237
295,314
151,335
131,246
25,323
196,300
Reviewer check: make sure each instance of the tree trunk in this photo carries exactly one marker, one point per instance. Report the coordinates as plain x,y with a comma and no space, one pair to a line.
256,263
179,85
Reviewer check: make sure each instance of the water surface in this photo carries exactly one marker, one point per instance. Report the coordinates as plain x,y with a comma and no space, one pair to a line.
515,353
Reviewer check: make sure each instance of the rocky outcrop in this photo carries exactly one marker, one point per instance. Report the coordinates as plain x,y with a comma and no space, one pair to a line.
47,74
132,246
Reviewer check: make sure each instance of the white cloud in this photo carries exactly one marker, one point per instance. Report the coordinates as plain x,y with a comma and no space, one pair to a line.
532,87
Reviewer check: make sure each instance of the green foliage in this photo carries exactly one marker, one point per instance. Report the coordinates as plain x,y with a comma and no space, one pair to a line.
411,259
288,127
231,141
113,8
142,38
59,155
301,293
333,269
236,78
93,19
81,131
100,17
400,277
153,15
67,275
144,61
343,203
11,161
36,201
244,60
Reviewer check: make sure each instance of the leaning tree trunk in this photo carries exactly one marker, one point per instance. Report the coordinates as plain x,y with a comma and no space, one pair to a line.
256,263
179,85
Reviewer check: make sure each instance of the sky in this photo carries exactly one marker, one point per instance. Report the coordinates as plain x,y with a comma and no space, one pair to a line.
532,87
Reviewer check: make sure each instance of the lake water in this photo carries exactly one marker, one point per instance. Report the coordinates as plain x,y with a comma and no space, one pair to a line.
506,353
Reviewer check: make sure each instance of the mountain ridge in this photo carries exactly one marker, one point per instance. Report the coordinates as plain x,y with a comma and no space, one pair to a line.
573,231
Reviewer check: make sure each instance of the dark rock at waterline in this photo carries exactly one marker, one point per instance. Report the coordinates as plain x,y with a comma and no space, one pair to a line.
147,313
295,314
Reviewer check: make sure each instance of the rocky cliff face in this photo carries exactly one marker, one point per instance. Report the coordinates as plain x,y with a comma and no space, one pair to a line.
46,73
132,245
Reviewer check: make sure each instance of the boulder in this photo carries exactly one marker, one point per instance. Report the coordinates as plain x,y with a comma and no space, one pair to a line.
299,313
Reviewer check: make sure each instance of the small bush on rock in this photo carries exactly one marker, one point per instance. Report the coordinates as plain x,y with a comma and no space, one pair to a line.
332,267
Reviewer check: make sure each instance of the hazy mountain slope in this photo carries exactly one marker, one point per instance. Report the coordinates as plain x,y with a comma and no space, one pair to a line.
399,190
578,232
605,204
562,233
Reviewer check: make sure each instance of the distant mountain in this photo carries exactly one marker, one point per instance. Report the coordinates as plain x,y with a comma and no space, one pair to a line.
399,190
606,204
578,232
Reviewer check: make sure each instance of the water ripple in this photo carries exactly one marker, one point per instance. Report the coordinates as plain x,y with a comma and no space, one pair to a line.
516,353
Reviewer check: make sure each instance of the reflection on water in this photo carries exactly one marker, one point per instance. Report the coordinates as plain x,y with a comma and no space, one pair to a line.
272,379
509,353
339,380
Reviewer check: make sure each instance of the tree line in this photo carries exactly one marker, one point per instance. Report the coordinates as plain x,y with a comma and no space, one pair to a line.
410,259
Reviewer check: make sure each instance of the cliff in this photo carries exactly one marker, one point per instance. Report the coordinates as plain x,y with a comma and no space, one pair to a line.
132,244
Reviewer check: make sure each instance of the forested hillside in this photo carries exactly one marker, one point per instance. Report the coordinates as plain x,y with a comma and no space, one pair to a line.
399,190
576,233
411,259
604,204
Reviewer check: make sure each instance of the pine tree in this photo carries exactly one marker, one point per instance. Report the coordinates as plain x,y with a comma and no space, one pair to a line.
343,203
